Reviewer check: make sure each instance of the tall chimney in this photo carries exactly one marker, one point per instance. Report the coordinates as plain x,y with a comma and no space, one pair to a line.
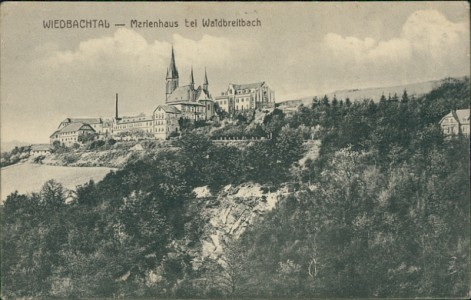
117,116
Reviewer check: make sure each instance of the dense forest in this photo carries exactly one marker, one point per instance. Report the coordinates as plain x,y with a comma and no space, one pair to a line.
382,212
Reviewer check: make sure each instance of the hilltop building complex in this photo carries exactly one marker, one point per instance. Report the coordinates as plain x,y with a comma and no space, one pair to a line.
181,102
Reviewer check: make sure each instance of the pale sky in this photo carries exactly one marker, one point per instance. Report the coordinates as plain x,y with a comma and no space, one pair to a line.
301,49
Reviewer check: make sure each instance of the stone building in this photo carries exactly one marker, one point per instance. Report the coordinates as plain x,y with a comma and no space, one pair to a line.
166,121
239,97
456,122
70,133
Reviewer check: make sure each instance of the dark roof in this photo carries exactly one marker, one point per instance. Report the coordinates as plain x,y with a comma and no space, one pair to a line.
169,109
55,132
181,93
248,85
83,120
72,127
187,103
40,147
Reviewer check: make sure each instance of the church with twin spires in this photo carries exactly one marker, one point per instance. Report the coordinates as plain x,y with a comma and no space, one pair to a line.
193,103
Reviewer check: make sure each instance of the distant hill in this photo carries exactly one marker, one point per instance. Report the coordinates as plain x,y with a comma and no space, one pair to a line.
373,93
10,145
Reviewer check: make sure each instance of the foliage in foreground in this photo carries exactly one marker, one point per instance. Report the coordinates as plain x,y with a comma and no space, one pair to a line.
383,212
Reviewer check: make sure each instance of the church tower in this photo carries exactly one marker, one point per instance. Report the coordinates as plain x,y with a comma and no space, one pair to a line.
192,79
172,76
205,82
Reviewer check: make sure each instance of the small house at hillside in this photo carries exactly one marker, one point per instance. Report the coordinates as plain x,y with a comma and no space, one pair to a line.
137,147
42,149
456,122
71,133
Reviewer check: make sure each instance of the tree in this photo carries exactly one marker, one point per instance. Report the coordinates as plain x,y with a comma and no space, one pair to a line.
87,137
325,101
52,194
405,97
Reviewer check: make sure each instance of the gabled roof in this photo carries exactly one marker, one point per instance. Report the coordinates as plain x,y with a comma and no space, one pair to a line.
83,120
248,85
73,127
202,94
55,132
168,109
461,116
41,147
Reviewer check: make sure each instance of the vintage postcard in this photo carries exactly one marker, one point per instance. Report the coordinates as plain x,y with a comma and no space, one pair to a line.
235,150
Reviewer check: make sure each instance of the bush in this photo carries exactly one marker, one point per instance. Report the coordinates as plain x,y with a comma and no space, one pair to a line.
70,158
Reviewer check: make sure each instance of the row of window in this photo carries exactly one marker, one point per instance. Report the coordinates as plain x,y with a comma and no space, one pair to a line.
244,107
246,91
243,100
132,125
192,108
453,129
162,129
68,139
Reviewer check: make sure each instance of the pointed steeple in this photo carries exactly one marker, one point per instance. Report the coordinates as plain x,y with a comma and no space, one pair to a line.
205,77
205,82
172,76
172,72
192,79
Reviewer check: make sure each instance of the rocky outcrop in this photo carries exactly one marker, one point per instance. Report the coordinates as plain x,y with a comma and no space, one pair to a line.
231,212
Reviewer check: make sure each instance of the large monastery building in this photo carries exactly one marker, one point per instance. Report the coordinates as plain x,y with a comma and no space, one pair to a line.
239,97
181,102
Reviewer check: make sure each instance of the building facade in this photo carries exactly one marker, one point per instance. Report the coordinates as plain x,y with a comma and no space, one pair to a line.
456,122
70,134
239,97
143,124
166,121
41,149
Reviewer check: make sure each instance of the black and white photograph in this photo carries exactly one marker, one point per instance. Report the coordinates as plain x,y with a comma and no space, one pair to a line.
235,150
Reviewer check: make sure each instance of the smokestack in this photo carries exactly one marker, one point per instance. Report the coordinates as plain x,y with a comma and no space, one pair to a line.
117,116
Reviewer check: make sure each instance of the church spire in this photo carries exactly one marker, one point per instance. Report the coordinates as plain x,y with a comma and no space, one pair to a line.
205,82
172,76
192,79
172,72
